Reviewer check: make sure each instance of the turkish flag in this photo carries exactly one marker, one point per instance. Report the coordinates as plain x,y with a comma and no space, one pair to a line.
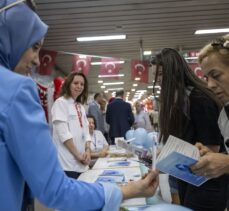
109,67
47,62
139,69
196,69
81,63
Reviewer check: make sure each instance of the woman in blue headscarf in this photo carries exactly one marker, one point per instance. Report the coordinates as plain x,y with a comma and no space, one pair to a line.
26,150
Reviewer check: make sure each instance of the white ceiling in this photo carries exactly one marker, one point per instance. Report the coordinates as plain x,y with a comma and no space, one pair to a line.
159,23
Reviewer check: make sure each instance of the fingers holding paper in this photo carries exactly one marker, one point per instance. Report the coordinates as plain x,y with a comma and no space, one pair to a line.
212,165
144,187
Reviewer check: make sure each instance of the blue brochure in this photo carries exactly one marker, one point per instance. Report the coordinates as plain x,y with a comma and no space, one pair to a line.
177,165
111,173
119,163
112,179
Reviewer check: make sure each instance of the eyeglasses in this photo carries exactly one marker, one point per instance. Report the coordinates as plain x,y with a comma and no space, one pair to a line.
11,5
220,43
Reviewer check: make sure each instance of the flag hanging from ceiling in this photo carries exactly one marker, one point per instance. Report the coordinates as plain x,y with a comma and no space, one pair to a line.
139,69
110,67
81,63
47,61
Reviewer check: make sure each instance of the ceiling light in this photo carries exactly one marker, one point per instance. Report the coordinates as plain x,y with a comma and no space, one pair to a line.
100,38
100,82
151,87
103,87
212,31
147,53
141,90
135,84
106,91
111,76
115,62
113,83
120,88
132,90
137,79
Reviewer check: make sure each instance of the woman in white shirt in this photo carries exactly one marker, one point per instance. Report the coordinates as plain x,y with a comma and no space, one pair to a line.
99,145
70,126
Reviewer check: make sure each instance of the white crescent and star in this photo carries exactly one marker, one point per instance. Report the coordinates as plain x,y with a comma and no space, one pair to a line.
81,61
140,68
49,59
111,65
197,70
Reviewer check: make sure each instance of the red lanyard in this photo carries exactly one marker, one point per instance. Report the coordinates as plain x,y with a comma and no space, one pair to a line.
79,113
94,142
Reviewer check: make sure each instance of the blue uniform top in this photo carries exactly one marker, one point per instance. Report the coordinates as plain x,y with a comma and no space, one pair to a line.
26,149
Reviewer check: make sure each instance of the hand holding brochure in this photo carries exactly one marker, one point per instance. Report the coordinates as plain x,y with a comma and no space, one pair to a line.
175,159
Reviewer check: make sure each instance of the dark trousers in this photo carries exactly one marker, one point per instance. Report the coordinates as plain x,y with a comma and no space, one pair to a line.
72,174
211,196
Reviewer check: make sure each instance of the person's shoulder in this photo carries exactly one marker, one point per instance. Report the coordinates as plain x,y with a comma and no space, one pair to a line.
61,101
98,132
12,84
199,96
10,78
200,99
92,104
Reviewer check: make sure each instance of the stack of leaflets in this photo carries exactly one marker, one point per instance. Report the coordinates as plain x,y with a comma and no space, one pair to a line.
113,176
175,159
119,163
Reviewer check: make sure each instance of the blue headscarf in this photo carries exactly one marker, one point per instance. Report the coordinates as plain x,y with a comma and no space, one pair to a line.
20,28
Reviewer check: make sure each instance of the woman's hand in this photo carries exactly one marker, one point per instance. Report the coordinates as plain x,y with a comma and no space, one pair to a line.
80,157
87,158
144,187
103,153
212,165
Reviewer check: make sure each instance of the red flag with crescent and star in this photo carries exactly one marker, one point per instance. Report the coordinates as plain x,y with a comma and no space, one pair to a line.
139,69
81,63
47,61
110,67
